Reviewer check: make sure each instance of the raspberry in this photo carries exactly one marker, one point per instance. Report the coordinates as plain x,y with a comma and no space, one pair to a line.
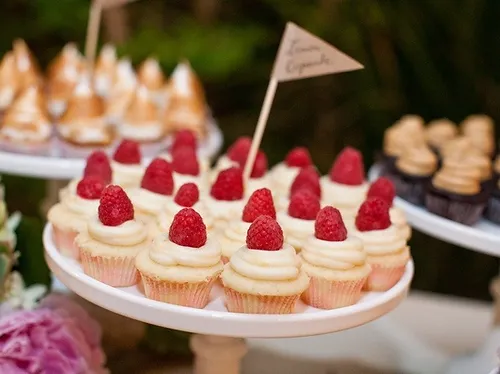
259,204
308,178
304,204
265,233
187,195
329,225
348,168
188,229
373,215
184,138
115,207
98,165
238,151
185,161
384,189
298,157
259,166
90,187
158,177
229,185
128,153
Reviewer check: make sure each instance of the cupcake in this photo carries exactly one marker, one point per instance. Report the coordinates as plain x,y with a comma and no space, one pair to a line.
151,76
9,80
141,122
298,221
127,164
387,251
412,173
187,168
493,208
236,154
112,241
70,216
27,68
233,237
308,178
283,174
439,132
336,263
384,189
157,187
456,193
258,176
121,92
63,76
83,126
186,107
187,196
265,276
225,201
480,161
181,268
345,187
25,126
186,138
104,70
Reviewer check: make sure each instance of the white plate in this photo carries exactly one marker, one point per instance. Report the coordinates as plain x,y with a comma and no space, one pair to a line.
482,237
67,168
214,319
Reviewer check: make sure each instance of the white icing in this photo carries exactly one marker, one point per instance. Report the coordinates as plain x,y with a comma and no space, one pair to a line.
129,233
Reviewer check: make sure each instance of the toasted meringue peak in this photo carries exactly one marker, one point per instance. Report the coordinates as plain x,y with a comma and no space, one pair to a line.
25,64
84,103
124,78
8,71
67,64
142,107
150,74
106,61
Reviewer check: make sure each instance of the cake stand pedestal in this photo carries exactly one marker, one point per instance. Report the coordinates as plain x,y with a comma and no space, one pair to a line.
219,345
483,237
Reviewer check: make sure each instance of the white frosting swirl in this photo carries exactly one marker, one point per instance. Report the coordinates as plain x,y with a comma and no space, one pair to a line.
282,177
222,163
127,175
382,242
166,253
254,184
343,196
296,230
200,180
148,202
80,206
224,210
128,233
233,237
344,255
171,208
398,218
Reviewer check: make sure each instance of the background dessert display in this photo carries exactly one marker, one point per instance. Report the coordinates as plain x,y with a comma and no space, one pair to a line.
450,169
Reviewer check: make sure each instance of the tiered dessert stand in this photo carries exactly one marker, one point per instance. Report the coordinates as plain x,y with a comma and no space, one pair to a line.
218,342
483,237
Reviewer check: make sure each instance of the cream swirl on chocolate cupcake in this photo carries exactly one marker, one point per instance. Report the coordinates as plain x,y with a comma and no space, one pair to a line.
458,177
417,161
440,131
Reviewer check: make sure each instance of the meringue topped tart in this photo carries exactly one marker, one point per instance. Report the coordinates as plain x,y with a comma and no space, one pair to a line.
105,70
151,76
29,73
122,91
9,80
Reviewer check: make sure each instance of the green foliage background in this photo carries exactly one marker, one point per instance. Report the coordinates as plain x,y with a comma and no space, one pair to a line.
434,58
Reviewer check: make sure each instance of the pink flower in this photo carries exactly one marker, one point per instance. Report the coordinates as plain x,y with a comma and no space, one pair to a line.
57,338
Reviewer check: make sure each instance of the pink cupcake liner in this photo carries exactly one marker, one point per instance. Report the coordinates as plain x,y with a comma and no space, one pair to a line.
383,278
114,271
225,259
326,294
65,242
237,302
194,295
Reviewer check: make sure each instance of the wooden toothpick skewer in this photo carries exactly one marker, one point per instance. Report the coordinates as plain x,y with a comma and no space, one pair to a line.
93,32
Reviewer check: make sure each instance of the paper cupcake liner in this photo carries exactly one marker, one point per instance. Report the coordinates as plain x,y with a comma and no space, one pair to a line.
383,278
326,294
114,271
65,242
194,295
225,259
409,188
237,302
493,210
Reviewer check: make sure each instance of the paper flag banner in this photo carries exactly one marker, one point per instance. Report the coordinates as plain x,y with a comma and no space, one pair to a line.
303,55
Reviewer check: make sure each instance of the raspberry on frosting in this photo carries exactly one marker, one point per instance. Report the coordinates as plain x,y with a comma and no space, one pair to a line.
184,138
188,229
229,185
185,161
259,166
298,157
238,151
373,215
329,225
128,152
115,207
348,168
308,178
187,195
265,234
259,204
304,204
384,189
98,165
158,177
90,187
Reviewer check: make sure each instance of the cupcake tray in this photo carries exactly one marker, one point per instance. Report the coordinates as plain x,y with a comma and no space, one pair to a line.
214,319
482,237
55,166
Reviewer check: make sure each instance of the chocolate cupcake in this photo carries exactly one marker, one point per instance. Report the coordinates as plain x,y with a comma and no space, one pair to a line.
496,169
412,172
456,193
492,212
439,132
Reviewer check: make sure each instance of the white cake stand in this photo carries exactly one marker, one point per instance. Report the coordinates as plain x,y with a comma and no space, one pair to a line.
483,237
218,344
